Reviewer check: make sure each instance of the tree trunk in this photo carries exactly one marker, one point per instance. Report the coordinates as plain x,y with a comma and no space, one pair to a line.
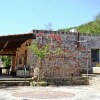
39,68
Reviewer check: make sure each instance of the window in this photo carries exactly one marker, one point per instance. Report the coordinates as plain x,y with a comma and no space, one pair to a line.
95,55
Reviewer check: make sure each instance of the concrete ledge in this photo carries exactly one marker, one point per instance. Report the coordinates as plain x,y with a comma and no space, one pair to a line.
96,70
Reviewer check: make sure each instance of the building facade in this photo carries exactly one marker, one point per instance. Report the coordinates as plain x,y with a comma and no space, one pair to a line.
84,47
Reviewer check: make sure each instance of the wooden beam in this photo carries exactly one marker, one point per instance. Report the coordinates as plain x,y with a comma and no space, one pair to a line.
10,49
4,46
7,54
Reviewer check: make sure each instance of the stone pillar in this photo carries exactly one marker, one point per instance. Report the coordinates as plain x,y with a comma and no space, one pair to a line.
13,63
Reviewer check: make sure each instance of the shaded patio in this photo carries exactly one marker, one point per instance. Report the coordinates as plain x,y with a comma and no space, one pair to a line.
9,45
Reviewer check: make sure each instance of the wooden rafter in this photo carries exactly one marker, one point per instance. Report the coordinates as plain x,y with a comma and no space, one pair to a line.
4,46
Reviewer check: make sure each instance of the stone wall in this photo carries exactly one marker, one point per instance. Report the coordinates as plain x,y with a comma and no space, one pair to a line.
69,41
87,42
55,67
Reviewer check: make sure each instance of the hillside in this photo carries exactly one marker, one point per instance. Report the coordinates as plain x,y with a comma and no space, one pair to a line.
90,27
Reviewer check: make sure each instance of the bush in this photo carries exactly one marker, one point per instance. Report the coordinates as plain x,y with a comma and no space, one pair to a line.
6,61
68,81
41,83
62,82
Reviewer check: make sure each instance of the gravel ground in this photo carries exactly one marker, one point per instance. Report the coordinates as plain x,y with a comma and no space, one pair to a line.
50,93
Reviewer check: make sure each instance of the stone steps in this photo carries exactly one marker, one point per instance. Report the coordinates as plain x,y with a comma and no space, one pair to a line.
15,81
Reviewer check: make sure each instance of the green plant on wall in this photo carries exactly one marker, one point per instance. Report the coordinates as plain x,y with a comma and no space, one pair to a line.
40,51
6,61
45,49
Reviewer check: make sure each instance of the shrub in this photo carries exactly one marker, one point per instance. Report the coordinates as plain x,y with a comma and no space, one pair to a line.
6,61
41,83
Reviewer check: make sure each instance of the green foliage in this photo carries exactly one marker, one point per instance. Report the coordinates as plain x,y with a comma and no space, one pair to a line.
41,83
68,81
42,50
6,61
39,50
90,27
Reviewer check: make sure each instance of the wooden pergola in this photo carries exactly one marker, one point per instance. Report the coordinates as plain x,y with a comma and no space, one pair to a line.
10,43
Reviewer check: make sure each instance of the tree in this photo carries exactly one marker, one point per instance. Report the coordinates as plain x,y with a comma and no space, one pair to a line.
48,48
42,50
6,61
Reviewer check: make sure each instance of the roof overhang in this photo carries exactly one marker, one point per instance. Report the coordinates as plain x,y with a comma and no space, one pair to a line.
10,43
